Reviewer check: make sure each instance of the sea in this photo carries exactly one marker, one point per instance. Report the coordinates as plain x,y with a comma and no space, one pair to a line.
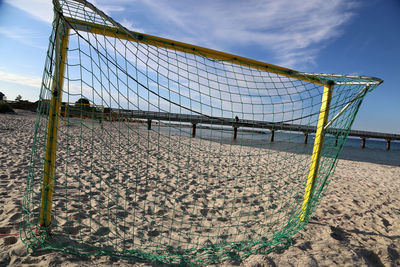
259,138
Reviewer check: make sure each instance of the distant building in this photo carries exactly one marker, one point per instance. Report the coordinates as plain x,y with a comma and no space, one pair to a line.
2,96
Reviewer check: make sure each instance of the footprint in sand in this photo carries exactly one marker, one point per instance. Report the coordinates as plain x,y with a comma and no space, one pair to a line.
338,234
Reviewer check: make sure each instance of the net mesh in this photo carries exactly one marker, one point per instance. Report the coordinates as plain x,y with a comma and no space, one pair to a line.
174,155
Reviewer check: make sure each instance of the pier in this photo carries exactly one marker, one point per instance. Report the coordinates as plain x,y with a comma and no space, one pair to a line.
149,116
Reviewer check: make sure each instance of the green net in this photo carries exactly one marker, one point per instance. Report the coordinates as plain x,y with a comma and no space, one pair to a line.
162,151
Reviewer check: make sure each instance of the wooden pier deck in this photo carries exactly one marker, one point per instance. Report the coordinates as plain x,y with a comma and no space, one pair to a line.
110,114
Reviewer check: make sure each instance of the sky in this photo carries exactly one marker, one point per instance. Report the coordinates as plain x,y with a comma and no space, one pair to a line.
338,36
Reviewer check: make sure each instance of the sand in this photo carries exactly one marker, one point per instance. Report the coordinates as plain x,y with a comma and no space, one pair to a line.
356,224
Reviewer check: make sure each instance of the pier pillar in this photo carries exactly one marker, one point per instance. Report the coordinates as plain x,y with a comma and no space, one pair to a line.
388,144
272,135
305,138
148,124
362,142
336,140
193,129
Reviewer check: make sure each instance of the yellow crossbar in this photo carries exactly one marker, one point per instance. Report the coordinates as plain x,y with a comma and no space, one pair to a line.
52,127
316,155
189,48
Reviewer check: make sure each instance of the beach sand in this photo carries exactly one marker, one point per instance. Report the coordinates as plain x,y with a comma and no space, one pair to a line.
356,224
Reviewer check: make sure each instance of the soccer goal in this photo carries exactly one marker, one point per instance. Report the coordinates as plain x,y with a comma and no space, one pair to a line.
201,156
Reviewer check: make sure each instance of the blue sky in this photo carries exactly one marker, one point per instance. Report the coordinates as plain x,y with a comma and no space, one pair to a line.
340,36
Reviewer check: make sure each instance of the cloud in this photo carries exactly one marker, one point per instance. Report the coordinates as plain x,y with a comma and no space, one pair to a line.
294,31
23,36
130,25
110,7
40,9
20,79
43,9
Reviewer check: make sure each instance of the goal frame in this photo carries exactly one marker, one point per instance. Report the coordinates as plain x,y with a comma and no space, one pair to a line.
64,25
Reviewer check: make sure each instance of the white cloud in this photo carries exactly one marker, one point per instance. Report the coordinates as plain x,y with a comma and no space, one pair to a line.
130,25
43,9
40,9
24,36
20,79
107,8
295,31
